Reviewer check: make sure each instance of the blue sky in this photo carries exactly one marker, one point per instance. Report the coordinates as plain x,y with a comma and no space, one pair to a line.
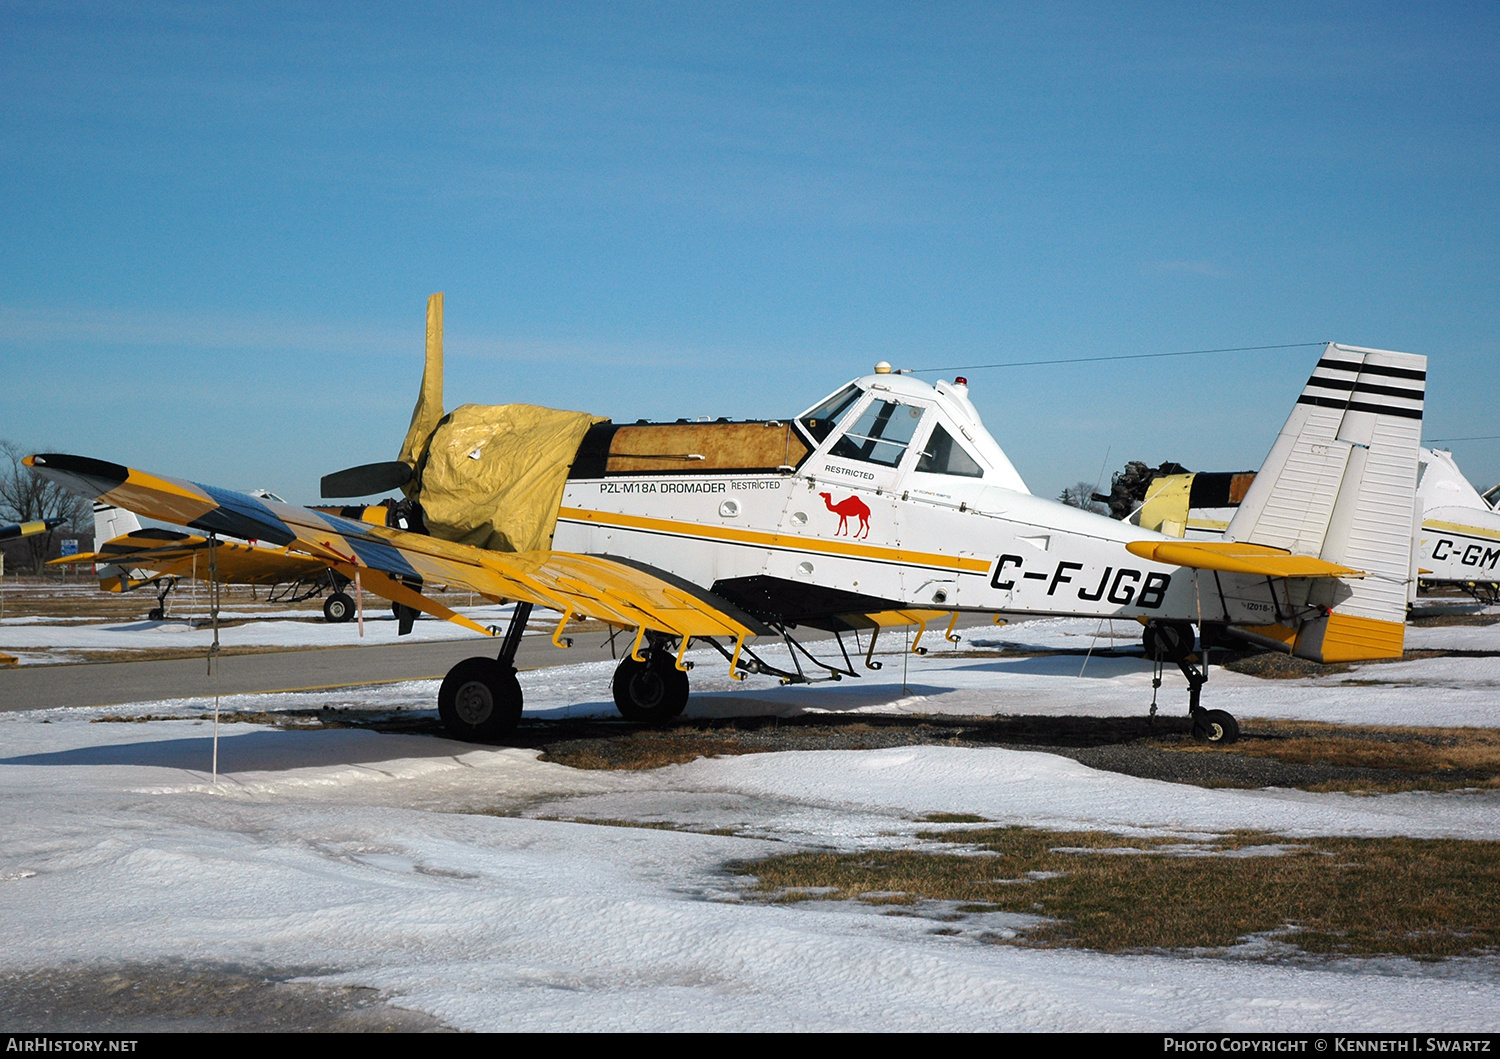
221,222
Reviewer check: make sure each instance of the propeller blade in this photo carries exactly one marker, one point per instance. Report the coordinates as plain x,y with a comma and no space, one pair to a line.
366,480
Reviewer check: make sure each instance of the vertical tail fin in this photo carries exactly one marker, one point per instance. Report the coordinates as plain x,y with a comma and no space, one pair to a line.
111,522
1340,484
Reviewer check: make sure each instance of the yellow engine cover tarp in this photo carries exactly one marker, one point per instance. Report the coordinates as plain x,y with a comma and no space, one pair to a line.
493,475
487,475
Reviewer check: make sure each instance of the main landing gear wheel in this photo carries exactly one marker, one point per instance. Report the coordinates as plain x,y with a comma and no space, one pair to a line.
338,608
480,700
1215,726
650,692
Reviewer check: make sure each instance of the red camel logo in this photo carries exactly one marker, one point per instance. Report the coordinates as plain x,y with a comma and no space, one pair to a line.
844,508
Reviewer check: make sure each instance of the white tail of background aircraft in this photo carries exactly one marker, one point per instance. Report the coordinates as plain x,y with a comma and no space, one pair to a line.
111,522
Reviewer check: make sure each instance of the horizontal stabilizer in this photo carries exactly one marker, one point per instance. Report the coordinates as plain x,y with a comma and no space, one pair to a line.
1238,558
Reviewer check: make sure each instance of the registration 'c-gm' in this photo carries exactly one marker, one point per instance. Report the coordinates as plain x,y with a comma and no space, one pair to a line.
1470,555
1119,586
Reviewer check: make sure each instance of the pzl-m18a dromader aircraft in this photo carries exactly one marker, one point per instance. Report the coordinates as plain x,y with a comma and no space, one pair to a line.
1459,542
885,503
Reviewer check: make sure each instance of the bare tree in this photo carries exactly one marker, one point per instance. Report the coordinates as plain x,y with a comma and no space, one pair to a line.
27,497
1081,495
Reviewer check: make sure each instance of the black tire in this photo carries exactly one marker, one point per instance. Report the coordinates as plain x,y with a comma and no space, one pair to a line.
1216,726
156,614
650,692
480,700
338,608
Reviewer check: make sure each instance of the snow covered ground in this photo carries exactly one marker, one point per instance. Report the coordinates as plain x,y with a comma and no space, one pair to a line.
41,641
455,878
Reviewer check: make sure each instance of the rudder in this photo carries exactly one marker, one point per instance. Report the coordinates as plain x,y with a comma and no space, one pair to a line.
1340,484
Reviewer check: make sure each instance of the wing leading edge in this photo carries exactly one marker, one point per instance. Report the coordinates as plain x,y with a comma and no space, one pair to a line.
395,564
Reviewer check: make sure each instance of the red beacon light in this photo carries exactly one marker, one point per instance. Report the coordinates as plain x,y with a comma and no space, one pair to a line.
959,380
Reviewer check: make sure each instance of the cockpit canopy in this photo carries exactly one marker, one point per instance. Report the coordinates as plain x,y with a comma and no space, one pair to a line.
890,424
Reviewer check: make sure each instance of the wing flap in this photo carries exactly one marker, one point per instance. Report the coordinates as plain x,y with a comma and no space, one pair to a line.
885,619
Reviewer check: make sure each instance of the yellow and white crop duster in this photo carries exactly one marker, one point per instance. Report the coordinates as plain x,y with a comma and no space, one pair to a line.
888,502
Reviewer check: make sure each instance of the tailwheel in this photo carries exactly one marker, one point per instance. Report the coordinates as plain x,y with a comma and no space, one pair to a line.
1174,641
480,700
338,608
650,692
1215,726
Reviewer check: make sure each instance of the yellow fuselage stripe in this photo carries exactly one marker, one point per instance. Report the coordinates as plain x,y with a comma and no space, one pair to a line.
757,539
1461,529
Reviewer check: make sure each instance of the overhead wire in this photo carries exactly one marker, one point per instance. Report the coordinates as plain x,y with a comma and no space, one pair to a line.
1121,356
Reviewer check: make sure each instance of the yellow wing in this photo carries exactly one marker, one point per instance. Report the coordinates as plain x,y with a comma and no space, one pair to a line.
395,564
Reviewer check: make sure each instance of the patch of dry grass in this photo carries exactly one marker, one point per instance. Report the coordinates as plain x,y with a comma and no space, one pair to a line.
1414,758
645,749
1273,665
1387,759
954,818
1427,899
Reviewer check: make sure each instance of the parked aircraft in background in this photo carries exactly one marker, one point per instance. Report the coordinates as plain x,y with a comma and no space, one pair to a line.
128,557
884,502
1459,542
17,530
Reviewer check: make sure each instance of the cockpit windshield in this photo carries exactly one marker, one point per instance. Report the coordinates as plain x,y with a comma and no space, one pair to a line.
881,434
822,419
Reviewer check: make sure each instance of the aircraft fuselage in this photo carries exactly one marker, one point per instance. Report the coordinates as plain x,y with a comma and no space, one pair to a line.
843,532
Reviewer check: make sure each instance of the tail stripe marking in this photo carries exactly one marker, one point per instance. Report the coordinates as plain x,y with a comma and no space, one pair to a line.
1362,387
1360,406
1373,369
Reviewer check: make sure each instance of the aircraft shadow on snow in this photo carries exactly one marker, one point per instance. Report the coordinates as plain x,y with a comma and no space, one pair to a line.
260,751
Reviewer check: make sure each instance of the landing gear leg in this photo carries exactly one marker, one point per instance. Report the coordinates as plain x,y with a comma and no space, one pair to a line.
163,590
1173,642
480,699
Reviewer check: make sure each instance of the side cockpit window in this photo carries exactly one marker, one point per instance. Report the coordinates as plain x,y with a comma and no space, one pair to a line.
822,419
943,455
881,433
